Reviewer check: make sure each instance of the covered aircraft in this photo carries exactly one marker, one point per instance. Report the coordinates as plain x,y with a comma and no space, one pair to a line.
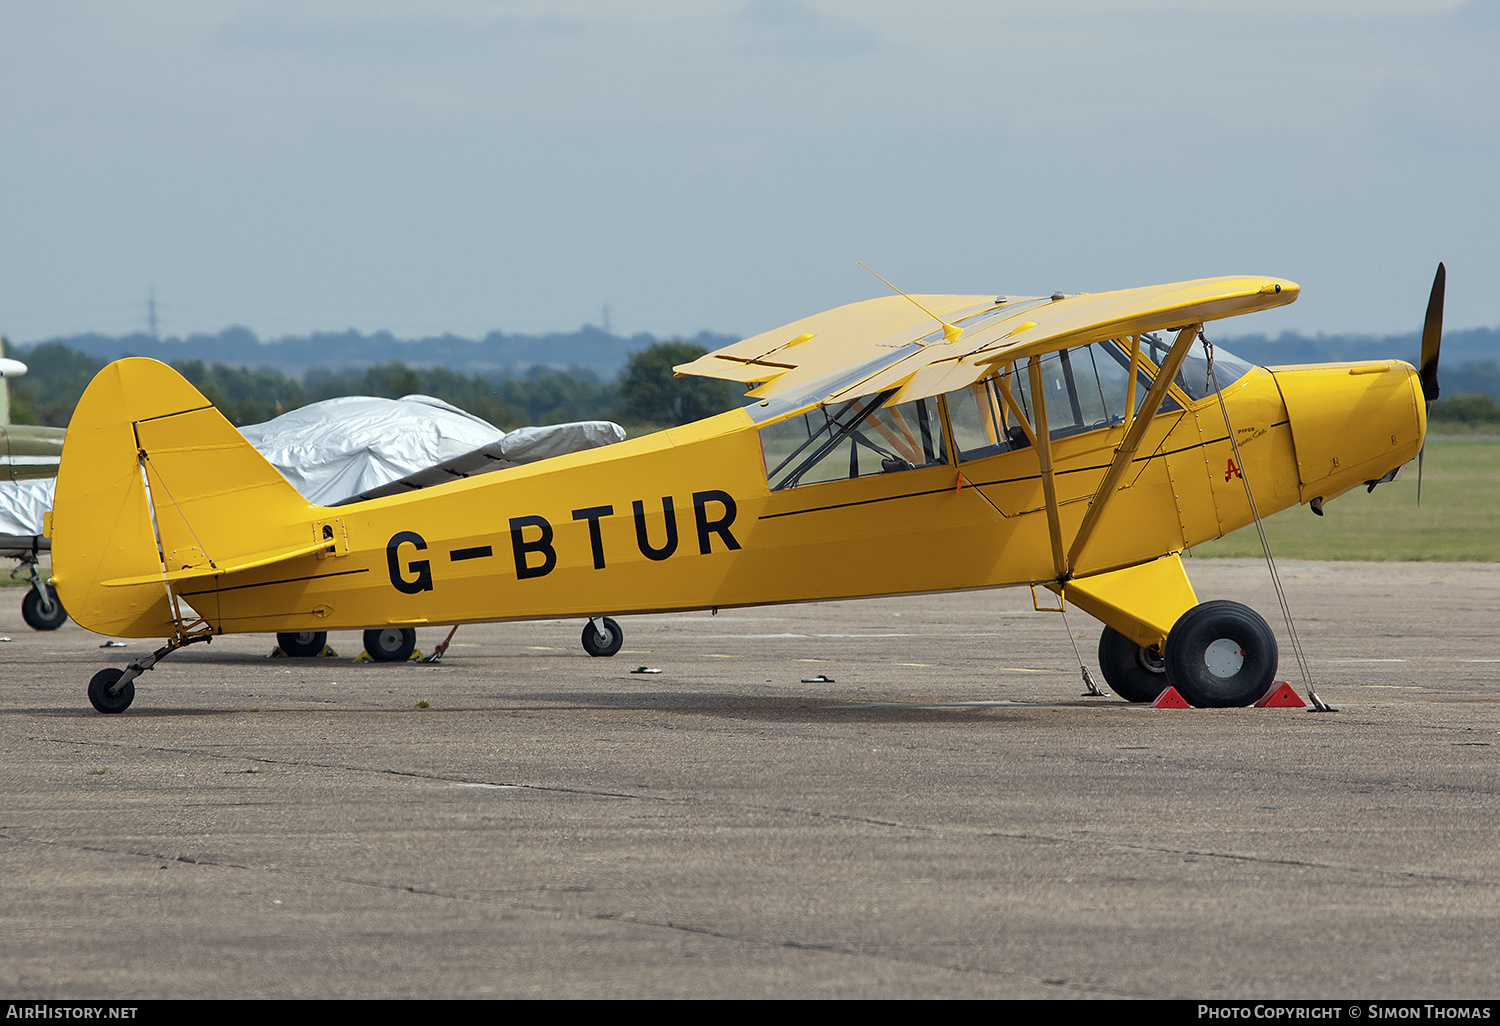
29,457
903,444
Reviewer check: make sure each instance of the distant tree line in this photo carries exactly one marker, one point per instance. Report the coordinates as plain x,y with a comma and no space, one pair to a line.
497,352
645,397
1465,409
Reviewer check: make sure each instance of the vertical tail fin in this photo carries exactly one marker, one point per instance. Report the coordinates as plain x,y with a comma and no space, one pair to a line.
156,486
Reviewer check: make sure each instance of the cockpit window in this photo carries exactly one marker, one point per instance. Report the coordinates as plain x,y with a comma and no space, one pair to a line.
859,438
1192,378
982,425
1087,388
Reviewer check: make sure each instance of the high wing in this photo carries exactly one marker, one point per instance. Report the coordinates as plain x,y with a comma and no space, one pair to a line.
893,342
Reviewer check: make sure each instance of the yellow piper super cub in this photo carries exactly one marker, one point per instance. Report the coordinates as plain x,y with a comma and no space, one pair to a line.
902,444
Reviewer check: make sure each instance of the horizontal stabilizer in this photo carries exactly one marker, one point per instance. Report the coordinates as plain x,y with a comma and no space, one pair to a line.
214,569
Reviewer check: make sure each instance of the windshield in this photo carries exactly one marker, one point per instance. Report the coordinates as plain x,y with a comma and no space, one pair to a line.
1193,377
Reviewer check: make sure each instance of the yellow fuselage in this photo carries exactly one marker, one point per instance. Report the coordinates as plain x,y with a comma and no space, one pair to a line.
684,519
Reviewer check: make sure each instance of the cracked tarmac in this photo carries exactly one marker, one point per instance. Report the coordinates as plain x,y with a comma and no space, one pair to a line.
946,818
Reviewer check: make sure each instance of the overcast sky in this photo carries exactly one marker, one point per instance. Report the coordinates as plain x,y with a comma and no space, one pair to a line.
725,164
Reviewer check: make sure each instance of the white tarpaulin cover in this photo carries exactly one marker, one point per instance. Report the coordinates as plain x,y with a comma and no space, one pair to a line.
359,447
356,447
342,447
523,445
530,444
22,504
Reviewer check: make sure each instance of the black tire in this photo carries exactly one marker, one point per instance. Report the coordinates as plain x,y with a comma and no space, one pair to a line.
1134,673
303,644
594,647
391,644
1221,654
36,618
99,694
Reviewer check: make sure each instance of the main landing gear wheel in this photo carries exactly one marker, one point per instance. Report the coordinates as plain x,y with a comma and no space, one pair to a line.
1221,654
103,699
305,644
602,637
40,616
1134,673
391,644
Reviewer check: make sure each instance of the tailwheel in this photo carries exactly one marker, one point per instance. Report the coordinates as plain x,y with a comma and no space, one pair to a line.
1134,673
602,636
303,644
106,700
391,644
1221,654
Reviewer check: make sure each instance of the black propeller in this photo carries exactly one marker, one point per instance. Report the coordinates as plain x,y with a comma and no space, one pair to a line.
1432,339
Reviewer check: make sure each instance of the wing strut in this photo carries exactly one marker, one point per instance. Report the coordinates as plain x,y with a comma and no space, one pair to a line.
1043,441
1126,452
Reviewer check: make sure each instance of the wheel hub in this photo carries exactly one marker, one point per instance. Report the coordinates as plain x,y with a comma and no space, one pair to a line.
1224,658
1152,660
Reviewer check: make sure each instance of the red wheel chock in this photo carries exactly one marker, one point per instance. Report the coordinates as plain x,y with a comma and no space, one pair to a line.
1170,699
1281,696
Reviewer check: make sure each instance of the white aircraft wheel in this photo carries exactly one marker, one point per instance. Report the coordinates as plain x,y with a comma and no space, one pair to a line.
39,618
303,644
99,694
1221,654
607,645
1134,673
391,644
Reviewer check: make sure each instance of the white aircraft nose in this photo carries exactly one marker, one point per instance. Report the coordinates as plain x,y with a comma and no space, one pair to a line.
11,368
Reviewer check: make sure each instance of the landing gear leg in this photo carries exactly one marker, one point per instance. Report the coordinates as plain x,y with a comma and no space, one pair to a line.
1138,606
112,690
